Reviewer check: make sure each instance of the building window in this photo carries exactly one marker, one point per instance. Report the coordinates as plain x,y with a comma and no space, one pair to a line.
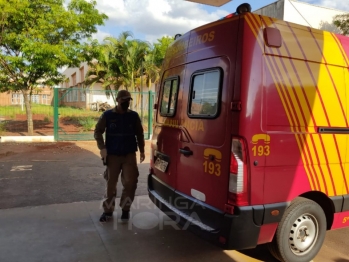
205,94
82,75
46,99
169,97
68,95
82,95
75,95
17,99
35,99
73,77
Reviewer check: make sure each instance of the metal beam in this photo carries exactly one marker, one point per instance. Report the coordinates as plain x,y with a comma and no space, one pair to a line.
210,2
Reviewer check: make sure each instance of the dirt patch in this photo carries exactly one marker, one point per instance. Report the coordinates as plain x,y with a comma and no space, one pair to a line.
43,126
11,148
7,153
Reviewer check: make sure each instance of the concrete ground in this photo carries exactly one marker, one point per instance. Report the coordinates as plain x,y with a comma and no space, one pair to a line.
72,232
33,174
50,203
50,195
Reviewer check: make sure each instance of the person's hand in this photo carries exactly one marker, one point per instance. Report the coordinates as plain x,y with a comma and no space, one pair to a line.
103,153
142,157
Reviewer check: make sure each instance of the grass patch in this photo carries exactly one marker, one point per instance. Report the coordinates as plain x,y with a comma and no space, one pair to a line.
47,110
82,118
12,111
87,123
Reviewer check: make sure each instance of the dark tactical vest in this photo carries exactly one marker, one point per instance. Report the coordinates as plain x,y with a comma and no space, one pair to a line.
121,132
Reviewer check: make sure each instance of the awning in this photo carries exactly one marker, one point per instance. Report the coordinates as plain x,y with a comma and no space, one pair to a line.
210,2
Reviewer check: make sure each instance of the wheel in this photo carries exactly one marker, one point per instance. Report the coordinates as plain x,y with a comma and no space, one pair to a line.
300,233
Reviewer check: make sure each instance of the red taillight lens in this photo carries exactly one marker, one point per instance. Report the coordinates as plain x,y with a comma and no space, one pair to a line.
233,164
237,194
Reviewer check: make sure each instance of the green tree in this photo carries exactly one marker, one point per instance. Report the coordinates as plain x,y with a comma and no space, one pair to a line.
342,22
124,61
160,49
130,55
102,70
153,61
38,37
150,70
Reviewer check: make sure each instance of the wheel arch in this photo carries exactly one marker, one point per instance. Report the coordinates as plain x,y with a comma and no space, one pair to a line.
324,202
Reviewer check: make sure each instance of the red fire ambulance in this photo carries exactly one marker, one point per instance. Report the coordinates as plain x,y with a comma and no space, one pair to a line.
251,134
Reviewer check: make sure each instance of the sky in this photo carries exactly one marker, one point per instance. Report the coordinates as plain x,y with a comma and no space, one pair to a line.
149,20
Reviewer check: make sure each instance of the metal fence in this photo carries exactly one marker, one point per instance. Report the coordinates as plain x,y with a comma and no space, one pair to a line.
77,110
71,114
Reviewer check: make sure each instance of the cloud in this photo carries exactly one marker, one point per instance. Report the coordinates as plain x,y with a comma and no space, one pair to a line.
151,19
100,35
336,4
155,18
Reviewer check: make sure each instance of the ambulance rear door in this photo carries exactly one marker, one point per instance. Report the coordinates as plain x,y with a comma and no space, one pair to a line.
204,142
166,131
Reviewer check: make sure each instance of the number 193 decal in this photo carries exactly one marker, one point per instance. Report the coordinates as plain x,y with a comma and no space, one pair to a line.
258,149
261,150
212,163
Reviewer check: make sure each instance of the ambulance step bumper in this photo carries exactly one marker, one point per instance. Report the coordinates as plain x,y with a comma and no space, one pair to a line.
227,231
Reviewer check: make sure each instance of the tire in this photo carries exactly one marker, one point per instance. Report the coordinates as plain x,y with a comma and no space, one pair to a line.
300,233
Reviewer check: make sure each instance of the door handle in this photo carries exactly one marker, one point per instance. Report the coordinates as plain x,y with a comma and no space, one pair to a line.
186,152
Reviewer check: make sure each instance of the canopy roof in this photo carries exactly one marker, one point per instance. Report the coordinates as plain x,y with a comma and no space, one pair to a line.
210,2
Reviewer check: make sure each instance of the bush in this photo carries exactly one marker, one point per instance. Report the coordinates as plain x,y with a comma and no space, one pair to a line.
47,120
87,123
2,127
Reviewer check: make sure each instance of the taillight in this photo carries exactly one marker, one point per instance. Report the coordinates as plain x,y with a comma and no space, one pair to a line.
237,194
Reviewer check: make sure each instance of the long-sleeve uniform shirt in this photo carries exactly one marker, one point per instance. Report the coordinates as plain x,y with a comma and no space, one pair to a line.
118,127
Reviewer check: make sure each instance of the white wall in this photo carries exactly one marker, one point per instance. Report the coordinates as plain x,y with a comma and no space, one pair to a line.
299,12
308,15
70,71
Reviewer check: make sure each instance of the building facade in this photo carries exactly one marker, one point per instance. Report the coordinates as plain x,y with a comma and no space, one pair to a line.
42,95
302,13
73,92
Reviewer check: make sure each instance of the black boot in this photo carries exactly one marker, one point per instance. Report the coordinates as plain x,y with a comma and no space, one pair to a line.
105,217
125,215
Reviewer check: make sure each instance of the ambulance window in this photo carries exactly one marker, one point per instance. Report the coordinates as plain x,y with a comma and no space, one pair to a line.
204,95
169,97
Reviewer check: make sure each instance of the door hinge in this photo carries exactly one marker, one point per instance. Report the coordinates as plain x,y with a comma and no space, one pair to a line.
235,106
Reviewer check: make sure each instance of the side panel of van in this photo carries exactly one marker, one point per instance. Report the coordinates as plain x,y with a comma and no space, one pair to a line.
305,94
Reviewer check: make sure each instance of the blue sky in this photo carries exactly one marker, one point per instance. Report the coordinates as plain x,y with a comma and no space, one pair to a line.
151,19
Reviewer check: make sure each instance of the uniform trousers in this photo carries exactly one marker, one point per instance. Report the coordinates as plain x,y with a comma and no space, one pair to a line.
127,165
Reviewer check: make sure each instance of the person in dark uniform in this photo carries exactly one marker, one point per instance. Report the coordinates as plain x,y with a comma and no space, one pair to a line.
124,132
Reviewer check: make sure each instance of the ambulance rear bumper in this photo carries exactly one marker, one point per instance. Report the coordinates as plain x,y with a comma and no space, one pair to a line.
237,231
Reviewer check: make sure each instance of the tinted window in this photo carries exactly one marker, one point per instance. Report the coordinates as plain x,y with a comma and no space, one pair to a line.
205,94
169,97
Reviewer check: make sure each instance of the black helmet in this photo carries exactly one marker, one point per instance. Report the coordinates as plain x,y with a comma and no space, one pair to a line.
246,5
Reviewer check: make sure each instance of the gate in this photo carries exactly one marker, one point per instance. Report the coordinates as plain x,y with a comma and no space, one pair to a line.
77,110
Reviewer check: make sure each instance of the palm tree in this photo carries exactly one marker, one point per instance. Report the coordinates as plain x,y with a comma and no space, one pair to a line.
123,62
99,72
151,71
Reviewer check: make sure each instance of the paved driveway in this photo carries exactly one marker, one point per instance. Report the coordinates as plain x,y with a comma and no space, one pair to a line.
51,173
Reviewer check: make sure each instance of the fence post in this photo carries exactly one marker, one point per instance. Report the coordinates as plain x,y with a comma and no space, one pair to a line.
55,114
